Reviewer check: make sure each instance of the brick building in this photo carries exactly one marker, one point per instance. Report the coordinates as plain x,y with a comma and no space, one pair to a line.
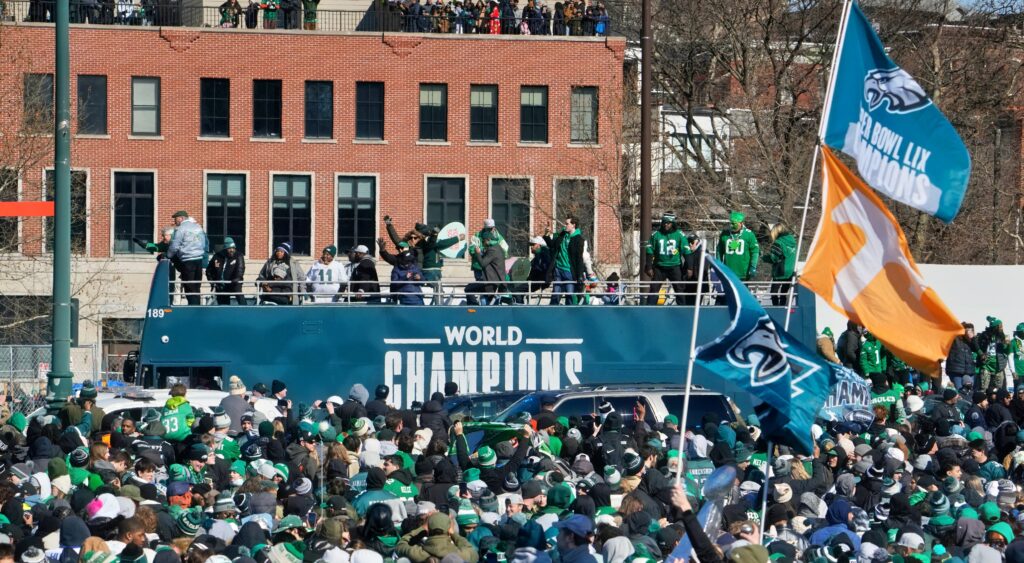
310,137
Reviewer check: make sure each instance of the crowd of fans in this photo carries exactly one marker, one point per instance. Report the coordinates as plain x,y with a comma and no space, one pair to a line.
932,476
508,17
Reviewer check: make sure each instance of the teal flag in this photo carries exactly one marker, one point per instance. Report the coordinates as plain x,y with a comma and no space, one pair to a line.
762,359
904,146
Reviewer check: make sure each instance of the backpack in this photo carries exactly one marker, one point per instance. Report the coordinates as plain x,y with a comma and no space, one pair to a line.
611,450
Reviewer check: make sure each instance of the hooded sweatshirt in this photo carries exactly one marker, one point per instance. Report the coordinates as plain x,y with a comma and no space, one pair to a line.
837,518
617,550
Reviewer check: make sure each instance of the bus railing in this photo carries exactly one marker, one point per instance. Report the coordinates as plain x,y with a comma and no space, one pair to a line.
470,293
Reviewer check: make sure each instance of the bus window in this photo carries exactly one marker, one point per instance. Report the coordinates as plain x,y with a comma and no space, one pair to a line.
193,377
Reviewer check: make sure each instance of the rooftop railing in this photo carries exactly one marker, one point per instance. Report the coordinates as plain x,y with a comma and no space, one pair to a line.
256,15
463,293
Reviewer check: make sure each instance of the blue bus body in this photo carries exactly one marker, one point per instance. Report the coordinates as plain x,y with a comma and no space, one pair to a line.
322,350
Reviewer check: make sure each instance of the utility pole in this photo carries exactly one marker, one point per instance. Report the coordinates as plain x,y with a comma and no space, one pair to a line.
58,385
646,55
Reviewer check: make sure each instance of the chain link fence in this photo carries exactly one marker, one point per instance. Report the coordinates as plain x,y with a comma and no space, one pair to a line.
23,371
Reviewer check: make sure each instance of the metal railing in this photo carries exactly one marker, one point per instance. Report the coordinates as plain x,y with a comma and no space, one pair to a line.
471,293
256,15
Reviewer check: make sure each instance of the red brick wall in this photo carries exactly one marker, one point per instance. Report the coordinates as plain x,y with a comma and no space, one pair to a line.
180,57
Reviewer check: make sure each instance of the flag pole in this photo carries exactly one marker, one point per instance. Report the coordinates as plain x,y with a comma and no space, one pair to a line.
826,109
765,490
691,360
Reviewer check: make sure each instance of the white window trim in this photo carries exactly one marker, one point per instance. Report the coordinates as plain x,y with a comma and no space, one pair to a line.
376,207
465,187
110,211
270,210
248,201
490,197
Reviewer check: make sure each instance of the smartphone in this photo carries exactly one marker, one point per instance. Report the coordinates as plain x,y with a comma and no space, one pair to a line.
311,518
463,489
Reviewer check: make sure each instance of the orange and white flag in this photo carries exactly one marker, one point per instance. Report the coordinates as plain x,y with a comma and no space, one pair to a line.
860,264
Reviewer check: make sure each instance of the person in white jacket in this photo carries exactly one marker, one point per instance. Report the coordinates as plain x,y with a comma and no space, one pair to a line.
326,277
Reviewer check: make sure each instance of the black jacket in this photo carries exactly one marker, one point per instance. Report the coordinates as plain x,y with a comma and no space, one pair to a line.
225,270
575,251
349,411
364,278
961,357
375,408
434,417
848,349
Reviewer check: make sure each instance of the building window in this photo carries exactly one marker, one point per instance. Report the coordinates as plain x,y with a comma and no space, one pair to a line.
683,149
133,211
583,115
8,225
225,210
575,196
79,181
214,107
433,112
510,208
483,113
533,114
38,103
357,211
266,108
319,109
369,110
446,201
291,218
145,106
92,104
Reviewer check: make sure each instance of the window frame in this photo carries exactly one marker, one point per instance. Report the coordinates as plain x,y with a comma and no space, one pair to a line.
376,208
502,226
526,112
155,108
465,197
257,120
433,119
16,247
473,123
45,124
83,101
312,206
591,237
244,247
368,105
84,202
324,122
593,135
114,172
215,100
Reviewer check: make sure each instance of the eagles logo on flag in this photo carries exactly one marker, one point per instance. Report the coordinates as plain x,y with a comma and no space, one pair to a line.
757,357
761,352
896,88
879,115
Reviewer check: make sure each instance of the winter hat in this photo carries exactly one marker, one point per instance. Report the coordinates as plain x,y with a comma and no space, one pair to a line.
303,486
221,419
88,391
632,463
939,504
285,246
224,503
276,386
332,250
914,404
783,492
189,522
668,217
466,516
560,496
1007,493
1003,529
612,476
951,485
486,456
359,393
235,385
79,457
